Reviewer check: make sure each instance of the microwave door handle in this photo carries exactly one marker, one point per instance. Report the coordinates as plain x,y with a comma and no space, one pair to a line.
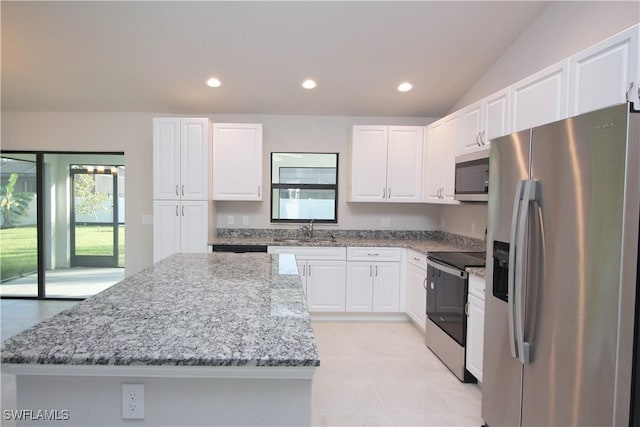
512,268
530,194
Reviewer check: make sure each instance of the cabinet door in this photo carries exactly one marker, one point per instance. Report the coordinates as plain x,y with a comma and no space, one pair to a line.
369,164
541,98
471,123
194,159
601,75
404,164
194,231
475,336
166,228
416,295
496,116
326,285
386,286
433,153
237,161
166,158
447,161
359,286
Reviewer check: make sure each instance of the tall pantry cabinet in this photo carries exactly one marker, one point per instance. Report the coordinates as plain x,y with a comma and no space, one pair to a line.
180,185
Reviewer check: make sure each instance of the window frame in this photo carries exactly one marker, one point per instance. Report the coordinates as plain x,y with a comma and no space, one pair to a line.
277,186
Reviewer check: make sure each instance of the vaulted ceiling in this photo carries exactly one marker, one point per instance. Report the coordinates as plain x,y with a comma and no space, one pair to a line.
156,56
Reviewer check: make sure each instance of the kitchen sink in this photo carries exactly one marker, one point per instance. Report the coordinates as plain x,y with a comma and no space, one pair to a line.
303,240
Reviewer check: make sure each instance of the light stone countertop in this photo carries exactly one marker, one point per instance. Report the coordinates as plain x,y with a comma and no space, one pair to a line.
189,309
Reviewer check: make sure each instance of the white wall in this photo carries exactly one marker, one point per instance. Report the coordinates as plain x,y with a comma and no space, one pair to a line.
469,219
131,133
563,29
327,134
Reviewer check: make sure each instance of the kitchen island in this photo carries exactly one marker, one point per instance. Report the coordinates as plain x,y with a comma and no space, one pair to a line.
216,339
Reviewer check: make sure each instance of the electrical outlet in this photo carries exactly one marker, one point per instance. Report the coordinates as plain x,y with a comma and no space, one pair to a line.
147,219
245,220
385,221
132,401
230,220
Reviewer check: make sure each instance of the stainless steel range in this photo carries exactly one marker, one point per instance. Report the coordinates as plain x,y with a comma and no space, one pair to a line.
446,323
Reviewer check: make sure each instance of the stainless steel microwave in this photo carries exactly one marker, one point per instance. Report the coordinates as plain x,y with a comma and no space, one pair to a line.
472,177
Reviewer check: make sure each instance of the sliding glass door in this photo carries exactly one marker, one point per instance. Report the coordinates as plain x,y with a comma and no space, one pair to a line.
94,216
18,226
62,224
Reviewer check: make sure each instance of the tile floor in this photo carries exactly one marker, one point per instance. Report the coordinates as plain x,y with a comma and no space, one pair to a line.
371,374
382,374
77,282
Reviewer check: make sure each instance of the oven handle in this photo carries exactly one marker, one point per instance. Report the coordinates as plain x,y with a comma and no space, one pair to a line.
449,270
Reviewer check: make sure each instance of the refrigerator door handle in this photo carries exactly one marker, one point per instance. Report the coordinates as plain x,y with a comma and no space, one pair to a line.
530,194
512,268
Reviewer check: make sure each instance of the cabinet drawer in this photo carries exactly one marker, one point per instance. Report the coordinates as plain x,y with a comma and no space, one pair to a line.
310,252
416,258
476,286
373,254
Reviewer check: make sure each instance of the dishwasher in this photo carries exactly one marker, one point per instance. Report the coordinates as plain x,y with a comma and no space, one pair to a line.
239,249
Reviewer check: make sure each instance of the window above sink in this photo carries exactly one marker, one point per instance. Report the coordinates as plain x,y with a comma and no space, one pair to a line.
304,187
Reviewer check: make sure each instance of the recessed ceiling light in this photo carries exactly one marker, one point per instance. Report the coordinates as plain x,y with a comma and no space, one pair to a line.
405,87
308,84
213,82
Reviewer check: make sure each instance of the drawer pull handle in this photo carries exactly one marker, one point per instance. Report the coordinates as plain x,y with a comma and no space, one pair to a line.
373,254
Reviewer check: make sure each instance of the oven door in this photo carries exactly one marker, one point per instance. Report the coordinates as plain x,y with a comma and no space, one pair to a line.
446,298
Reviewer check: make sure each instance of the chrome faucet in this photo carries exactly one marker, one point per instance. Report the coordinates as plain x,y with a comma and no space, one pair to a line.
307,229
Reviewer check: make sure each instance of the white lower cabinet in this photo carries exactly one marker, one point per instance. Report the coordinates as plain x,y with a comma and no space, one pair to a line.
475,326
416,291
373,286
325,284
373,279
179,227
323,274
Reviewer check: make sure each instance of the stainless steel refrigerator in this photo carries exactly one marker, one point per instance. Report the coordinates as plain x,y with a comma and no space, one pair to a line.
562,257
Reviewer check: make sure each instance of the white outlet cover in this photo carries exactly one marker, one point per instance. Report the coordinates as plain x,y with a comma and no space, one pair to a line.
245,220
230,220
133,401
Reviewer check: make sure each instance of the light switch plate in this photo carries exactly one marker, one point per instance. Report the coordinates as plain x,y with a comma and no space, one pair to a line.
147,219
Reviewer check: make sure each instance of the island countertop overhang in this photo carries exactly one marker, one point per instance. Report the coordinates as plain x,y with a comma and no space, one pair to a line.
186,310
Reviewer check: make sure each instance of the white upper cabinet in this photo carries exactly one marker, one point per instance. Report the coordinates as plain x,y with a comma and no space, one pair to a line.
606,74
441,142
369,164
540,98
237,161
194,159
386,164
483,121
496,116
471,128
180,159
